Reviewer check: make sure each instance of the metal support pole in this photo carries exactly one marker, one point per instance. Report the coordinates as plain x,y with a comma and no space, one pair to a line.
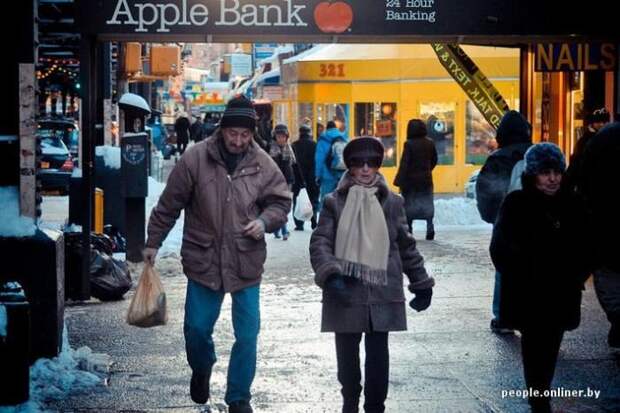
135,213
88,80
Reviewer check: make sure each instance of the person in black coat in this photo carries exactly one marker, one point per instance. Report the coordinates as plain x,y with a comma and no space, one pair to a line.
538,246
305,149
514,137
599,186
415,176
181,128
196,131
594,122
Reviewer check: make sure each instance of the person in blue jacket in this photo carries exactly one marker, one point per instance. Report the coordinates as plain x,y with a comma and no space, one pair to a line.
329,165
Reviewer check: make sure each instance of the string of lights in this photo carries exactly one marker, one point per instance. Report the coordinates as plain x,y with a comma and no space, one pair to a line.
43,74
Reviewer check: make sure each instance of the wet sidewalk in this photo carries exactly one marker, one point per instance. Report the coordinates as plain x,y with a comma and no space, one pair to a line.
448,360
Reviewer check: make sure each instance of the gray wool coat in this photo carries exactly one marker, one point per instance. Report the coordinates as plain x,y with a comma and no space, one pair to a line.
373,308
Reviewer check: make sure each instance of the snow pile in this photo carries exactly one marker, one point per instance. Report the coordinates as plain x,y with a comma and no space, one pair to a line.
172,244
111,156
12,224
73,228
458,211
3,321
72,372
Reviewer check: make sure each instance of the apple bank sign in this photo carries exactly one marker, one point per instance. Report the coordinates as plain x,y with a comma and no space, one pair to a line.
243,17
157,18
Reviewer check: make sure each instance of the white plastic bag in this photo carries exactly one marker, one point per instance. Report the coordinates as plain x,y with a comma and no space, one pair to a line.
303,208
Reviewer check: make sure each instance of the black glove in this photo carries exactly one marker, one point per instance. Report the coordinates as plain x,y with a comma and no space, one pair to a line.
337,286
422,299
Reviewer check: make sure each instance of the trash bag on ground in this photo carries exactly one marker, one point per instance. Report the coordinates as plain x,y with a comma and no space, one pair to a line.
148,306
120,244
102,243
110,279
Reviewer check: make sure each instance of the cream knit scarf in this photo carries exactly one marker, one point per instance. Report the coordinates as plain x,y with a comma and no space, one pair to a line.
362,239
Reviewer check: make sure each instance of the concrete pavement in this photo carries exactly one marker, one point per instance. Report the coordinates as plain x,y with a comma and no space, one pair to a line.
448,361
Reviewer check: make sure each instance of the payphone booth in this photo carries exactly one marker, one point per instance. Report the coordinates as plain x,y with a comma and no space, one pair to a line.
134,170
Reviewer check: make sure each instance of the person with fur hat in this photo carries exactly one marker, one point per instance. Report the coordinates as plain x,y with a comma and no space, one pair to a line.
599,187
514,137
415,176
232,192
538,247
359,252
282,153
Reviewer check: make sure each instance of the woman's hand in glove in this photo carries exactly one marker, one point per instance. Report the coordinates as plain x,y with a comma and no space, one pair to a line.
338,288
422,299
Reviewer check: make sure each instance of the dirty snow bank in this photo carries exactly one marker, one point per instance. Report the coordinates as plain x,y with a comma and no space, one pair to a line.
72,372
12,224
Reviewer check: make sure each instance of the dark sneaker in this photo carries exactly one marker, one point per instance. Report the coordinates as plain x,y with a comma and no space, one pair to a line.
199,387
284,237
299,228
240,406
276,235
498,328
430,235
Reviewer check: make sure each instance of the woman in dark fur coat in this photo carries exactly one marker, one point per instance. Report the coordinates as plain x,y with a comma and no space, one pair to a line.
540,246
359,252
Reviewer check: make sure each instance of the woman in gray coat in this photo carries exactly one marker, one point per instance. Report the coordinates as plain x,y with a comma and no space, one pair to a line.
359,252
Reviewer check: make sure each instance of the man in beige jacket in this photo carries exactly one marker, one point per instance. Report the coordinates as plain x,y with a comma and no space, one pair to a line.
232,193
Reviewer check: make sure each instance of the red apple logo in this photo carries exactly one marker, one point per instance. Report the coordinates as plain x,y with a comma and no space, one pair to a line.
333,17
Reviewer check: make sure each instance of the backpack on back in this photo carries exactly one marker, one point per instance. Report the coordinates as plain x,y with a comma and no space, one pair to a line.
335,156
515,176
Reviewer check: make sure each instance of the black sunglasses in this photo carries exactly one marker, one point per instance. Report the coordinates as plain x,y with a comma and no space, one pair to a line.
360,162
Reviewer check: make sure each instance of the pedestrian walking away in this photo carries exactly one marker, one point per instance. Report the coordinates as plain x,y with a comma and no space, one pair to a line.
197,130
305,151
232,192
181,129
282,153
538,247
514,137
359,252
328,163
599,186
415,176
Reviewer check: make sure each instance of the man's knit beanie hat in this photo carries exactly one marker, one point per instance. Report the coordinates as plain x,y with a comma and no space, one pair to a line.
239,113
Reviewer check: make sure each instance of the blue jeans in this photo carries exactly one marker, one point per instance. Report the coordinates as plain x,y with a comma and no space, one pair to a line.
284,231
496,292
202,309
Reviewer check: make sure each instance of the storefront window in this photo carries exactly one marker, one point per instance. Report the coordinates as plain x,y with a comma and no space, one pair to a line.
337,112
439,118
378,119
479,136
305,117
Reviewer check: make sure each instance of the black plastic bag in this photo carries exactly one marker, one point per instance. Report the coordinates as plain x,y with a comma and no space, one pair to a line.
109,278
120,244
